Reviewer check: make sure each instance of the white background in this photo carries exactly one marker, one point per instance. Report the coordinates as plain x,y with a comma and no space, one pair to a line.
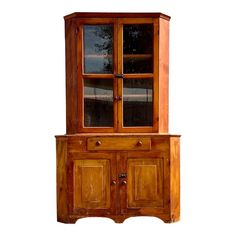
202,109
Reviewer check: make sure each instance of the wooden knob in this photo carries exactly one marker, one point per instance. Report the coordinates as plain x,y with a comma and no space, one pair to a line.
139,143
124,182
113,182
98,143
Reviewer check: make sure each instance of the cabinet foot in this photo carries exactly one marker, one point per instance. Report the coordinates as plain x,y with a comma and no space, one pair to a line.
119,219
171,219
67,220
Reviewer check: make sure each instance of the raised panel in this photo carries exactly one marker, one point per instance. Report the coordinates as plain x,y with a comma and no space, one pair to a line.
91,184
145,182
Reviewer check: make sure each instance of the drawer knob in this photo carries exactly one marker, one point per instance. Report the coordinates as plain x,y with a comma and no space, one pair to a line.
98,143
113,182
139,143
124,182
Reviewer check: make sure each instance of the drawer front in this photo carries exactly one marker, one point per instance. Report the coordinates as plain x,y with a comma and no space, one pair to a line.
118,143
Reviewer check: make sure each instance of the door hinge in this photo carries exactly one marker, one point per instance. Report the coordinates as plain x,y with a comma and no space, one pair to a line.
76,30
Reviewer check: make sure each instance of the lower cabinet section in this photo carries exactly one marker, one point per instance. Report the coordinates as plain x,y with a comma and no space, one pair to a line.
117,184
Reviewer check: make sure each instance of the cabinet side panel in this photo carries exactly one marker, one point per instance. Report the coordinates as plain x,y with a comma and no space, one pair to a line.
163,74
71,77
175,178
62,208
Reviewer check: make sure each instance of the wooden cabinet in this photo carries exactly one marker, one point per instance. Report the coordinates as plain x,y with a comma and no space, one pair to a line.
117,158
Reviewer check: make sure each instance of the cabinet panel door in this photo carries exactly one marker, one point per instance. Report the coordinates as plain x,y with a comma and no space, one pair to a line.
91,190
91,184
145,182
146,185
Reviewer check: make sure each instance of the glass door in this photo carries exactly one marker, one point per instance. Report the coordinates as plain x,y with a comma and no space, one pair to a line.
98,40
136,64
117,70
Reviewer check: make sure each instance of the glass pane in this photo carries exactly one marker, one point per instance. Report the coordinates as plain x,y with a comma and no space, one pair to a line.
138,48
98,102
137,102
98,49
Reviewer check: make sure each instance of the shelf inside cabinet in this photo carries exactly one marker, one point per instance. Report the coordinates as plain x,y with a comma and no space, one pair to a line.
138,56
98,55
125,96
137,96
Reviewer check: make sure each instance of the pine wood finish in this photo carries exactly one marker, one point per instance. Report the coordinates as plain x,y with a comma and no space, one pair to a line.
119,171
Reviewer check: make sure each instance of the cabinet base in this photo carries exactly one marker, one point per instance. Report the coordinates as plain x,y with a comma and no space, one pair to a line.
114,176
119,218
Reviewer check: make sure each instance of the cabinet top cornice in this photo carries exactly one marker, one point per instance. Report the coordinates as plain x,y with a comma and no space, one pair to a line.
117,15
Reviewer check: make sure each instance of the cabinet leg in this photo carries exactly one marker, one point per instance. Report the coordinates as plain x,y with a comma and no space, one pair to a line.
171,219
67,220
118,219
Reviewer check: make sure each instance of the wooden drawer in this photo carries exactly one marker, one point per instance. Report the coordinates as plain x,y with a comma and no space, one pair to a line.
118,143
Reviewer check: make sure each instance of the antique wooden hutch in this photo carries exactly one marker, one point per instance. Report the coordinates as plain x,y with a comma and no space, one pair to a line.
117,158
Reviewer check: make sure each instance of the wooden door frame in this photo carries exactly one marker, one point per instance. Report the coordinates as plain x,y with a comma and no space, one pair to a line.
118,69
81,75
154,75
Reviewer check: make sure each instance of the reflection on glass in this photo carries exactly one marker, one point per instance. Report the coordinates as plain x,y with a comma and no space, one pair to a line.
98,102
137,102
138,48
98,49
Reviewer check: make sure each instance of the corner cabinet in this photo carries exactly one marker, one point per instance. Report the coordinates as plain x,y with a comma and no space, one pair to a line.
117,158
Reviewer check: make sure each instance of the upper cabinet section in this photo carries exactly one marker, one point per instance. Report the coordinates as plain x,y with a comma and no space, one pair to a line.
117,72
